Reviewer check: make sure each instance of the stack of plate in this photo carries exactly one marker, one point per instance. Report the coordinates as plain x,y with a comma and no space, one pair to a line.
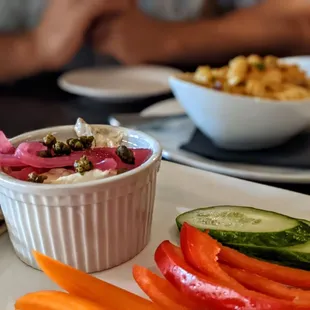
116,84
175,129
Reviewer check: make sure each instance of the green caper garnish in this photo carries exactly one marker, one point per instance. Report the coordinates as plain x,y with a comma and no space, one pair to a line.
61,148
36,178
46,153
49,140
83,164
87,141
260,66
75,144
125,154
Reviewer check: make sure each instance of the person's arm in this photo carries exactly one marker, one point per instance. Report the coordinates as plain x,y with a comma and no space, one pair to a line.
216,40
135,38
55,41
18,56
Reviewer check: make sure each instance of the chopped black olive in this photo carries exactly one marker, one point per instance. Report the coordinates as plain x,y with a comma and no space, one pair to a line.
36,178
125,154
49,140
83,164
61,148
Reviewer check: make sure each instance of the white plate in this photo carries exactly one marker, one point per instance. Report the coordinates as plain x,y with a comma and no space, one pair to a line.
117,83
176,193
164,108
178,131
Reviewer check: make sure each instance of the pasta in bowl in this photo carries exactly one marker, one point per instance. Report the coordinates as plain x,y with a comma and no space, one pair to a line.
228,109
263,77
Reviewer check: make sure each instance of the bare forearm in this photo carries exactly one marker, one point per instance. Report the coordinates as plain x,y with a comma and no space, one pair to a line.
218,40
17,57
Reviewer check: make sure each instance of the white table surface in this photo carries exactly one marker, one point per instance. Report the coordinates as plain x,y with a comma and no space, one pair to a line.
178,188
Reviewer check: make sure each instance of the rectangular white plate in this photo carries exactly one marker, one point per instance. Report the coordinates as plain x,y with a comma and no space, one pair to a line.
179,188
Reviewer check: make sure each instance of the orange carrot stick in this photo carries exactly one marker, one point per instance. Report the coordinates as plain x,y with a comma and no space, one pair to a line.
161,291
268,287
53,300
86,286
286,275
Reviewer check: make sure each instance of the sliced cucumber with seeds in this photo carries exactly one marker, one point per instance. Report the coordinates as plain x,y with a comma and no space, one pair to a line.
247,226
297,256
305,221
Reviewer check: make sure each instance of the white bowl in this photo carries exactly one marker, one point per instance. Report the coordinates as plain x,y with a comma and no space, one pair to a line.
302,61
240,122
91,226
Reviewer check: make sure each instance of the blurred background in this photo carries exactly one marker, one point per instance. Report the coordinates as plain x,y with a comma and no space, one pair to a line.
63,59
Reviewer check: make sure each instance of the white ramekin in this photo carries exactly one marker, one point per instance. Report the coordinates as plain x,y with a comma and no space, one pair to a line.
91,226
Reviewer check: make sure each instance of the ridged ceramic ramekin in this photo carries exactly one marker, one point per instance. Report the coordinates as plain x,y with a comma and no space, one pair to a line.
91,226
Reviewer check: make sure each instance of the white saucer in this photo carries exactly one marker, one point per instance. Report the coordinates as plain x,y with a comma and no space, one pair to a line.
175,132
164,108
118,83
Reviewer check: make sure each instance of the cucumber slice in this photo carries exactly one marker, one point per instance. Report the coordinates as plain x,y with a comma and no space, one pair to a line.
297,256
247,226
305,221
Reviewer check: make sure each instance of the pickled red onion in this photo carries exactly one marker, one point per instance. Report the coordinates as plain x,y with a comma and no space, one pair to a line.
9,160
106,164
103,158
6,146
27,154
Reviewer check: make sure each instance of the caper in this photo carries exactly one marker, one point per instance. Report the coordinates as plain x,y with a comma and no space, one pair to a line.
61,148
75,144
87,141
36,178
260,66
83,164
49,140
46,153
125,154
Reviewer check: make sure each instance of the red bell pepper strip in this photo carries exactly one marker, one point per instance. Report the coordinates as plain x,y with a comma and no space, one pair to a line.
200,251
207,291
268,287
161,291
286,275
